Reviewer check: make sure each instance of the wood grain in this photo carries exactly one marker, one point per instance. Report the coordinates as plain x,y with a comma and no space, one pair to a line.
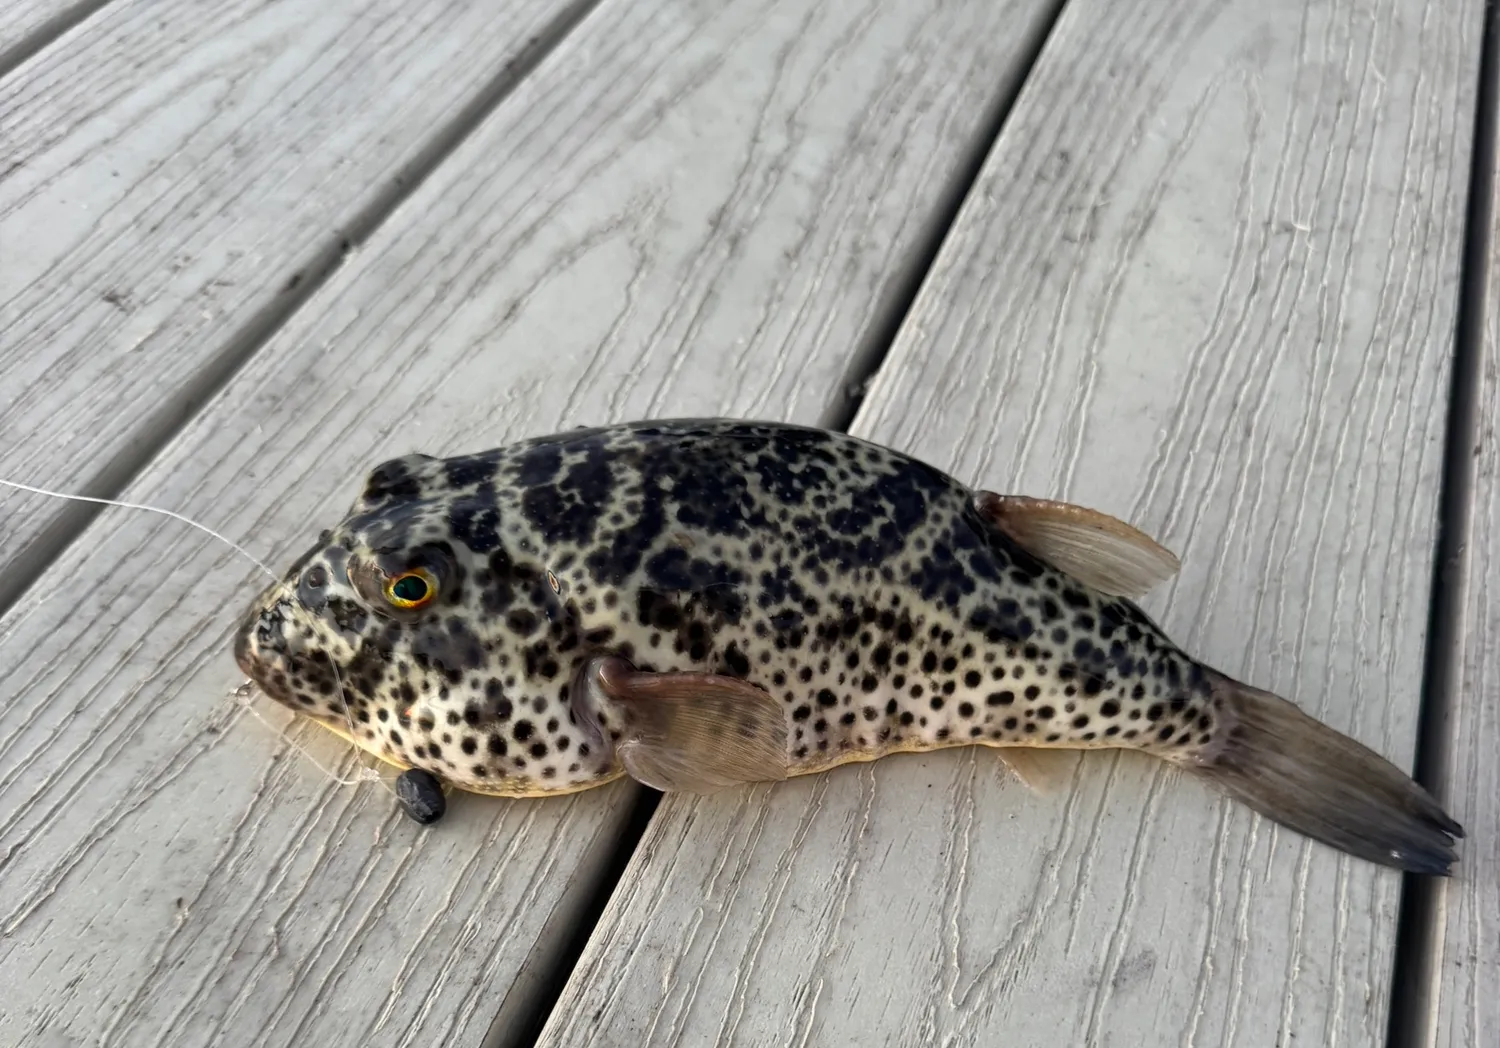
1206,282
688,208
170,172
1465,1008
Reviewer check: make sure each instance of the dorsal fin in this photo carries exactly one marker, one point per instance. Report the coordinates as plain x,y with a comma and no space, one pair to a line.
1098,550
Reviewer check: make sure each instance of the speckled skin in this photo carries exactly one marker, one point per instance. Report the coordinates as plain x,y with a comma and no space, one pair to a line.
859,587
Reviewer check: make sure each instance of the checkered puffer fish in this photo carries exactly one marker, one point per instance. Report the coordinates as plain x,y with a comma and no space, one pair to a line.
701,604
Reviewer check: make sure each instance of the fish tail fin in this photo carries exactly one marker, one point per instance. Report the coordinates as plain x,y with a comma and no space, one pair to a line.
1298,772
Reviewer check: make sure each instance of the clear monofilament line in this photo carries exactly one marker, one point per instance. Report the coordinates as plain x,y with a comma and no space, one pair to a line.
242,551
338,683
366,774
242,696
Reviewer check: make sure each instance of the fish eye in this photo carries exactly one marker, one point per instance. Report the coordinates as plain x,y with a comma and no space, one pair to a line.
396,583
411,589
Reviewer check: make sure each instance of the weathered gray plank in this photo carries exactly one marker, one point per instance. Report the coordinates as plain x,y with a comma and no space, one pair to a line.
687,208
171,171
1465,1009
1207,283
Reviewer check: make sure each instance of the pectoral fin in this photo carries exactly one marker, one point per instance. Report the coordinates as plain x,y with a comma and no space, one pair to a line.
1095,548
683,732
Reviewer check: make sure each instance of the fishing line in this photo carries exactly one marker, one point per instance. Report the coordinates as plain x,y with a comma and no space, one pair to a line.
242,697
366,774
300,613
150,509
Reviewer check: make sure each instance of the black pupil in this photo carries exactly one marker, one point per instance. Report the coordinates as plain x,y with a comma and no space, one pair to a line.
410,588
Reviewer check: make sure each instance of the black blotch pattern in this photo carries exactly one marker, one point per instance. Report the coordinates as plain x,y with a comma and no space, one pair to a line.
863,587
475,520
393,480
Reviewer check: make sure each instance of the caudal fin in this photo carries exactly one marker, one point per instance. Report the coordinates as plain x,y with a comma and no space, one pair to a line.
1302,774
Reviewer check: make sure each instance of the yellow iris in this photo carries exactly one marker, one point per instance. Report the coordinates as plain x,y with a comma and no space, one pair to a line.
411,589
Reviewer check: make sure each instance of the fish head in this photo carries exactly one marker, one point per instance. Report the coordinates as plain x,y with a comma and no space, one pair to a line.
386,630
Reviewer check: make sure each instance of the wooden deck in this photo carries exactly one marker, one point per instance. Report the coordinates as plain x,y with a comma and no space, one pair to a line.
1203,264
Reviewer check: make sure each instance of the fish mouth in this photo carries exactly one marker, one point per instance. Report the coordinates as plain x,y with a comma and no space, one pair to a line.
259,643
257,650
260,651
244,657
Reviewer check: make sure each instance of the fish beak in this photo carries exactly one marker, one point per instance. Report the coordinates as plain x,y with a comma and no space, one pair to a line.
245,651
260,643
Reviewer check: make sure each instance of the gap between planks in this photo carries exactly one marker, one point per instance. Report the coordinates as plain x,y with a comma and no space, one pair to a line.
308,275
1418,967
1379,1024
38,37
886,321
979,105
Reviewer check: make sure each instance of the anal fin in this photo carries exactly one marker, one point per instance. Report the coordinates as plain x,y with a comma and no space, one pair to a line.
683,732
1098,550
1043,772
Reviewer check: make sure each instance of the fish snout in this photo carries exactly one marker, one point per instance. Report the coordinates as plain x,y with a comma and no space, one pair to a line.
260,649
243,657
